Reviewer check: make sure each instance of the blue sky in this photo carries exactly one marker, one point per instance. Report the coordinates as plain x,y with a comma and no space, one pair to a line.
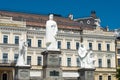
107,10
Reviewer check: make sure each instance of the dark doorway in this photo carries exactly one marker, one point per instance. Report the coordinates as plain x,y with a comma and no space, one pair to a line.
4,76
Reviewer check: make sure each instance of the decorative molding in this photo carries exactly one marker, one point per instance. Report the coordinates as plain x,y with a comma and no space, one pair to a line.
5,49
97,36
30,36
40,37
5,32
99,41
69,54
59,39
100,55
15,49
110,55
35,32
68,40
30,53
108,41
16,33
90,40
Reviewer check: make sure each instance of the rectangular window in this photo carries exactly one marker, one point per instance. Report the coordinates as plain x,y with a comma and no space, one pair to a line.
60,61
108,63
54,73
108,47
39,60
99,62
16,39
90,46
118,51
109,77
59,44
68,45
118,61
68,62
78,61
15,57
39,43
99,46
100,77
5,39
28,60
29,42
5,58
77,45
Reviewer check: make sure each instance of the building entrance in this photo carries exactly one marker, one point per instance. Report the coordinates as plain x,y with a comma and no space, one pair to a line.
4,76
6,73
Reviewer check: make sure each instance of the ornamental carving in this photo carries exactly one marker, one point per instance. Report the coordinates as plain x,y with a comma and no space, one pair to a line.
15,49
100,54
5,49
109,55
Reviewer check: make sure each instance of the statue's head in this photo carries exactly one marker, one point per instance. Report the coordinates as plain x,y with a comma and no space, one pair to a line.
51,17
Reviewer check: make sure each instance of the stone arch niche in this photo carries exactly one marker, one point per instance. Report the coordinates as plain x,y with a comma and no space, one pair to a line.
4,76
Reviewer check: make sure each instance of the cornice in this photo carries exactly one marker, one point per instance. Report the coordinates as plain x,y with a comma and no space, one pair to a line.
36,49
12,29
35,32
104,52
69,35
69,51
98,36
8,45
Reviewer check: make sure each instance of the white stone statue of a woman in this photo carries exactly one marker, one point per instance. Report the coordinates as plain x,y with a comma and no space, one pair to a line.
86,58
82,53
51,33
22,53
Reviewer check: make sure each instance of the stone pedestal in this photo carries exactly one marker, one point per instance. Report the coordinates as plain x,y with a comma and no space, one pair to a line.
51,66
22,72
86,74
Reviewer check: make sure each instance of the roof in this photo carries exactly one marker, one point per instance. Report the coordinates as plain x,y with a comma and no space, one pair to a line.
82,18
40,20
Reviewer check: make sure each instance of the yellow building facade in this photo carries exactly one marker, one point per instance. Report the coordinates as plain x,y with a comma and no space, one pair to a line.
15,25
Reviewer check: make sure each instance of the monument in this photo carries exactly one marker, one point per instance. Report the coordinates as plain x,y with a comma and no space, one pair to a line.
87,61
22,53
22,70
51,66
97,22
51,34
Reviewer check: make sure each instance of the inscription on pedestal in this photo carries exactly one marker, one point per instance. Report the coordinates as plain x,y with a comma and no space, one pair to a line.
86,74
53,60
23,74
51,66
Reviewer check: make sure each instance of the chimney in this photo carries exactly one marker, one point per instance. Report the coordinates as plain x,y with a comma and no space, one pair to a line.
70,16
93,14
107,28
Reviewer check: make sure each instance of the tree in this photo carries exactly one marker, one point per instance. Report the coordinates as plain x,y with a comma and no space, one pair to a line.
118,73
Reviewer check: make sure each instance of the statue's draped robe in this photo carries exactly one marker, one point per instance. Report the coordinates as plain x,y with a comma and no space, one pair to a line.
51,32
86,58
22,53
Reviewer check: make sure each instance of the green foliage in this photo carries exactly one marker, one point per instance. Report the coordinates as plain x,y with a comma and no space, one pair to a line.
118,73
